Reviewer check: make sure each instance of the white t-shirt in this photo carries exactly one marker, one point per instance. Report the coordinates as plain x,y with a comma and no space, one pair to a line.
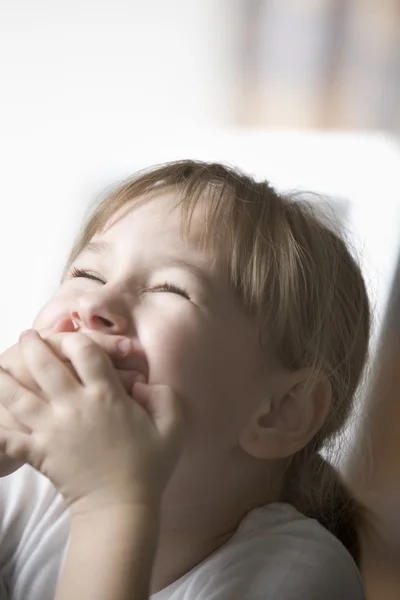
275,554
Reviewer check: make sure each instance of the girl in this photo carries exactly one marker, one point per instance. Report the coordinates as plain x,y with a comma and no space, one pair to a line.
205,344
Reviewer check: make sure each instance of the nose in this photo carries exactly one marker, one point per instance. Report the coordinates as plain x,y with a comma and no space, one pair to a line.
101,312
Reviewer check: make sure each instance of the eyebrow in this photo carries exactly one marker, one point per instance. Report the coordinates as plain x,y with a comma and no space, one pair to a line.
101,248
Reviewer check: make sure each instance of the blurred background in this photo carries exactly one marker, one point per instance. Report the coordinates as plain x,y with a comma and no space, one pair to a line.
320,63
271,63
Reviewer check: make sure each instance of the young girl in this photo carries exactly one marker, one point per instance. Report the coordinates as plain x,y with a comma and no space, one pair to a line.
205,343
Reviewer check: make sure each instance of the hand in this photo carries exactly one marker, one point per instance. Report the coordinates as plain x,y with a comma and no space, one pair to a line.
98,445
12,361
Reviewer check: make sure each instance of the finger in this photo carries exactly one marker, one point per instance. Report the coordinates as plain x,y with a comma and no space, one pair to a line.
116,346
13,363
30,411
11,390
6,418
16,445
90,362
129,378
24,334
46,368
13,395
43,332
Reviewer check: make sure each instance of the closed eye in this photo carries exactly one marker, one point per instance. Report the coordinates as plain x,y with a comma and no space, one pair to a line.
167,287
86,274
171,288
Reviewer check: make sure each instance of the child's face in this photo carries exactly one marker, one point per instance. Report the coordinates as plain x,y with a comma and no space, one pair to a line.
175,302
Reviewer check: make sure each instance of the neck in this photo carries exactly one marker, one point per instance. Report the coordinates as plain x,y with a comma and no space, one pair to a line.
191,532
180,551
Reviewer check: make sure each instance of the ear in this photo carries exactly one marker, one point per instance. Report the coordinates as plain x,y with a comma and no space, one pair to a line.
287,421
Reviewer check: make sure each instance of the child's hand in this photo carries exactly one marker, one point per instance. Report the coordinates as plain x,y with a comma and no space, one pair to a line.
13,362
96,443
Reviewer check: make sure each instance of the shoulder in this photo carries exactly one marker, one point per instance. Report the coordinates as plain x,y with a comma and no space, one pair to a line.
300,558
34,526
277,552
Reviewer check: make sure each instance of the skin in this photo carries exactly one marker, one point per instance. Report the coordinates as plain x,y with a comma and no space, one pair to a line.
11,361
244,413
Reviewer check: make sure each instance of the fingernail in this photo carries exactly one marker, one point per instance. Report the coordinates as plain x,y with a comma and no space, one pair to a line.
139,377
124,347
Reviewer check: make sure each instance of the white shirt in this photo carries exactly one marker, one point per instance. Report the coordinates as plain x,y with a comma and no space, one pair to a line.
275,554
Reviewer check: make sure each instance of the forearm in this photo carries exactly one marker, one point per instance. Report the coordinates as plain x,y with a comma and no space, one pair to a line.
110,555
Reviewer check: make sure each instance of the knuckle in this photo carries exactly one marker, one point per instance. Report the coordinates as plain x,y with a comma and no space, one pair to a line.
25,404
15,396
67,414
99,391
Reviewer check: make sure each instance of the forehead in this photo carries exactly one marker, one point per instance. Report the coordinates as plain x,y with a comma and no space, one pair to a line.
150,231
158,216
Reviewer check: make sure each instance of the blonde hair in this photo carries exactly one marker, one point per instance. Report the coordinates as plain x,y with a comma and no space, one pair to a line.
299,279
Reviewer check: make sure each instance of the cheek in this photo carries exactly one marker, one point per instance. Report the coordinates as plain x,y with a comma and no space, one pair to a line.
57,307
176,348
201,360
208,371
182,353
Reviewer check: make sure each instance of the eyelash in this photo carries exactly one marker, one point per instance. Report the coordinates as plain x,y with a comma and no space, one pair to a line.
166,286
85,274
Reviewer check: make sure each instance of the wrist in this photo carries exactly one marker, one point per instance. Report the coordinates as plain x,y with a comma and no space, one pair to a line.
121,541
89,508
116,521
124,501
